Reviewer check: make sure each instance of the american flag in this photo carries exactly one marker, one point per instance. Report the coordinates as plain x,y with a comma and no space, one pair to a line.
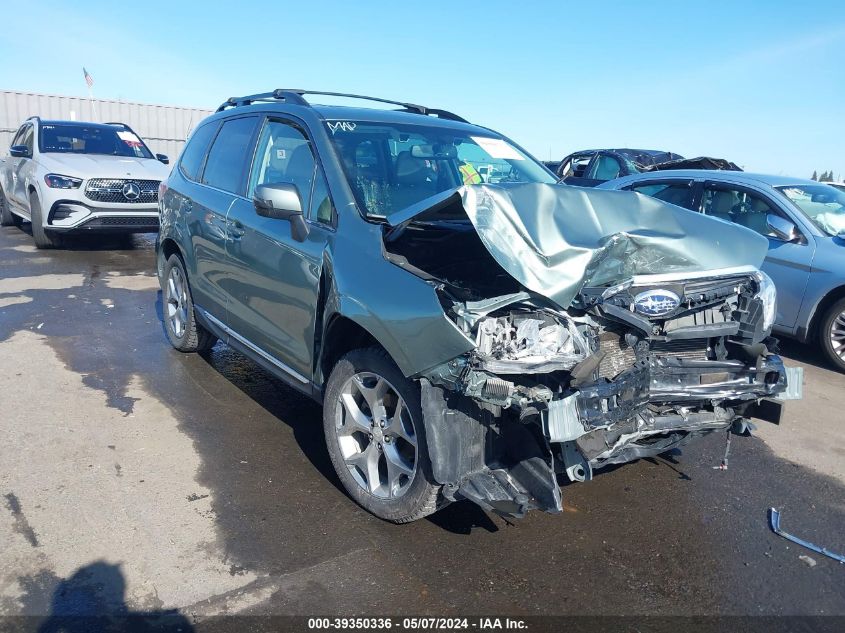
88,78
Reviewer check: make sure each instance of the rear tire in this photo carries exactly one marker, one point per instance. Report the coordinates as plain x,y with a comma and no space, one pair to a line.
374,431
43,238
832,334
180,323
7,218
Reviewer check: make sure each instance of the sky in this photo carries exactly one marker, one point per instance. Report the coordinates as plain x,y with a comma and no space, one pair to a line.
759,83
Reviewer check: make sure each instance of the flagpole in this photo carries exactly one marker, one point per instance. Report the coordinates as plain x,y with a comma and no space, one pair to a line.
89,81
93,106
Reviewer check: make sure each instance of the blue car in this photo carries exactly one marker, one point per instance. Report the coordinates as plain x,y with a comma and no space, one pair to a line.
804,221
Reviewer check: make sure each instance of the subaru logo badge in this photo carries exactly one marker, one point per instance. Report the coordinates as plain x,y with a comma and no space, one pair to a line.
655,303
131,191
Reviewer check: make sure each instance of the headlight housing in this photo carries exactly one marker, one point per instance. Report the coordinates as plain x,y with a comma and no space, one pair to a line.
767,293
57,181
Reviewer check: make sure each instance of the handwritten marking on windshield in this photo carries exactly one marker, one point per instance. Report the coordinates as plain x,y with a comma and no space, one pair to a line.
343,126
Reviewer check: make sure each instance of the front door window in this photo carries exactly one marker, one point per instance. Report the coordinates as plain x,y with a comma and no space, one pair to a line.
283,156
739,206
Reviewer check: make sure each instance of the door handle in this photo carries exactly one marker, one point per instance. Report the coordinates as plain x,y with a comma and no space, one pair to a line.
236,230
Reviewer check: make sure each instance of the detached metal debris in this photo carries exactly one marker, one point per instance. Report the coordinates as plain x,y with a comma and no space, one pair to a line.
774,523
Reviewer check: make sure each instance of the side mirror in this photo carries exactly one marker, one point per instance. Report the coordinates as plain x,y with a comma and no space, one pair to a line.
162,158
281,201
783,228
19,151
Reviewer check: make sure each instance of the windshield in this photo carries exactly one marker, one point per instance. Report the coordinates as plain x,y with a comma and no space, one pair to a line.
392,166
91,139
824,206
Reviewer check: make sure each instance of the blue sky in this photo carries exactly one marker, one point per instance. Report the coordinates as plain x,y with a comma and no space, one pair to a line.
760,83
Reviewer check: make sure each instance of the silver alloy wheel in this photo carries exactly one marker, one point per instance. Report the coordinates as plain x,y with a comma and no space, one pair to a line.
376,436
177,302
837,335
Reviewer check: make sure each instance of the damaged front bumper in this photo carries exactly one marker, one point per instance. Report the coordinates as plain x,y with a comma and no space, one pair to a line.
614,422
509,463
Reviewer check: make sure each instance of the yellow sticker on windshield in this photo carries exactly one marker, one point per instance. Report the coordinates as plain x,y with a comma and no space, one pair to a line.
497,148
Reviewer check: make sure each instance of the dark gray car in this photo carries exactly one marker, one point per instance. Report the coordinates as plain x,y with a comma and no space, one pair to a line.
467,340
804,223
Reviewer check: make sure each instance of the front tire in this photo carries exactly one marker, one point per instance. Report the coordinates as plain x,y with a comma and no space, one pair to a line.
180,323
832,334
43,238
372,420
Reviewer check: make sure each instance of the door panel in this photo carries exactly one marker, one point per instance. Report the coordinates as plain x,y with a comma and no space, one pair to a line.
787,263
204,210
223,181
19,169
271,279
272,283
8,173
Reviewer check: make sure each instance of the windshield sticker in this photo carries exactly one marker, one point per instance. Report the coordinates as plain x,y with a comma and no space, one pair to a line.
129,138
343,126
497,148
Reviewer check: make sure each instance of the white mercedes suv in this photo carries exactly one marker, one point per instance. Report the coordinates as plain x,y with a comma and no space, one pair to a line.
70,177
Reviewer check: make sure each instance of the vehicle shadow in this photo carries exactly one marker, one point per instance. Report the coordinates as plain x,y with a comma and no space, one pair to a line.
284,403
668,460
807,353
93,600
461,517
97,242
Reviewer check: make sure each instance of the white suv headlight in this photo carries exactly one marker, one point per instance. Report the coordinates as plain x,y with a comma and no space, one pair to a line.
57,181
768,295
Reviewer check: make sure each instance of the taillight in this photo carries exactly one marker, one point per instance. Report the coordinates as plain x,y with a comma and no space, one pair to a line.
162,189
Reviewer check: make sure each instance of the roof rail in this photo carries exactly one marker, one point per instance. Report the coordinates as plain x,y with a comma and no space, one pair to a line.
286,95
116,123
295,96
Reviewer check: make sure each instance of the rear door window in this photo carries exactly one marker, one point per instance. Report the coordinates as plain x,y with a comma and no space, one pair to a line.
230,155
194,152
679,193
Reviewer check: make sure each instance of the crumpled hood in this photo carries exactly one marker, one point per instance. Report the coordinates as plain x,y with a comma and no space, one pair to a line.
556,239
103,166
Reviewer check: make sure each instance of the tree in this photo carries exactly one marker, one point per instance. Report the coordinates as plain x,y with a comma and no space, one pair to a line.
826,176
815,176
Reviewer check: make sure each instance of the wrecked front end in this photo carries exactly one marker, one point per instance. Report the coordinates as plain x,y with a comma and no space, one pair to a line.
575,371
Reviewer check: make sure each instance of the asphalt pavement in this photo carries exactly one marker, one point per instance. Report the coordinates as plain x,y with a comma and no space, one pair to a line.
136,479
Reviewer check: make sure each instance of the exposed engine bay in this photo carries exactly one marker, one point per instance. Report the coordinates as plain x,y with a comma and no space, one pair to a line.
564,384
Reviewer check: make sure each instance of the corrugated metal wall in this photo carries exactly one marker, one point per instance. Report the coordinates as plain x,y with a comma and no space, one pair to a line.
164,128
